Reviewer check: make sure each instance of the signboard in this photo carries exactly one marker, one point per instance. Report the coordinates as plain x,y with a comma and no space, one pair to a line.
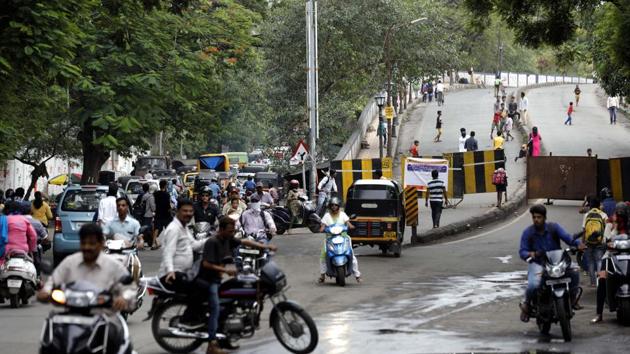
389,112
300,153
417,172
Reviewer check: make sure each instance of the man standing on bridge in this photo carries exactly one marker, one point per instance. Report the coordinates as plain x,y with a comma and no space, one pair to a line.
436,194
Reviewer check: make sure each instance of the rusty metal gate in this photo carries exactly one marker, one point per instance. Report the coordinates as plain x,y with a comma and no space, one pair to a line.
561,177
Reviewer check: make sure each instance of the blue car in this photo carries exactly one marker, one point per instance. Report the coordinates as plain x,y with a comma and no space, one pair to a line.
77,206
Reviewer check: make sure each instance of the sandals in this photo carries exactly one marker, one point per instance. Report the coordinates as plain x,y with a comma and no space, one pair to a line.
359,280
597,319
321,279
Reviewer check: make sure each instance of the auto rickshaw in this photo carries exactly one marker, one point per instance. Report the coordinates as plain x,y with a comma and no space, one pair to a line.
378,214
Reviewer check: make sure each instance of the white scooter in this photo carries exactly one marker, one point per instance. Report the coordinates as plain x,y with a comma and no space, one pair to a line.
18,278
127,253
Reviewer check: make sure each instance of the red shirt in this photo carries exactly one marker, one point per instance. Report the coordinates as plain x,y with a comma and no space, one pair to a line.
496,118
414,150
570,110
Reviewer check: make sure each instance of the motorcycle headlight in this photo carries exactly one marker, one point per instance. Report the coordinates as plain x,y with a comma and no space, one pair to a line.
58,296
556,271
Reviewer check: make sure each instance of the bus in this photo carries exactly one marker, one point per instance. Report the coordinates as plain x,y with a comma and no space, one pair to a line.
215,162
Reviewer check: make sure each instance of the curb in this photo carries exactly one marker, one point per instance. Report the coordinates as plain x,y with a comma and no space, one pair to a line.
490,216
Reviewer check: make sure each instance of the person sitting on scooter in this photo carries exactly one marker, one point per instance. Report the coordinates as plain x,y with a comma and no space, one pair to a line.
537,239
618,230
124,226
102,271
214,251
336,217
253,220
20,234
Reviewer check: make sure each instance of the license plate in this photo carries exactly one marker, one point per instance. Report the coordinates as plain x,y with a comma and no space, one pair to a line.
246,251
623,257
14,283
558,281
389,234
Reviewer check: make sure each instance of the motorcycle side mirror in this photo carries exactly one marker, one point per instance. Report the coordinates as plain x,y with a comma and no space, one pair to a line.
46,267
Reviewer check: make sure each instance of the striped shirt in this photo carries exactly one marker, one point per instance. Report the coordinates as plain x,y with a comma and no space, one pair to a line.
436,190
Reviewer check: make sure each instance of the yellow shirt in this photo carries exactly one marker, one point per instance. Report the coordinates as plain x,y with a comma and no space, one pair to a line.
497,143
42,214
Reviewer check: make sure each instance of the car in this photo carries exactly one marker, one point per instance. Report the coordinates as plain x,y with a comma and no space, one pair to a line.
133,188
77,207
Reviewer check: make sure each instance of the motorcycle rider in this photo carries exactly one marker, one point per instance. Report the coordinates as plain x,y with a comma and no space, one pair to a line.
212,270
537,239
20,235
124,225
204,210
336,217
234,194
176,269
263,197
617,230
326,187
253,220
103,271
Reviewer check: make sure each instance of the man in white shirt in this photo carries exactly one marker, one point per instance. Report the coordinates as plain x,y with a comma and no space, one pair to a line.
326,187
524,107
462,139
612,103
107,206
439,91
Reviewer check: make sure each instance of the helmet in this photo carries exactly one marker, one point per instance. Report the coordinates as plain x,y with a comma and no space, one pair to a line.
605,193
294,183
206,190
334,201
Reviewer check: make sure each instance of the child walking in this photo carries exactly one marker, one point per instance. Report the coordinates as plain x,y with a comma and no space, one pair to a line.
569,112
438,127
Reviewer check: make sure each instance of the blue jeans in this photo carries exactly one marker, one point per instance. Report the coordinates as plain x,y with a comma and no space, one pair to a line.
613,114
213,304
593,257
534,278
568,120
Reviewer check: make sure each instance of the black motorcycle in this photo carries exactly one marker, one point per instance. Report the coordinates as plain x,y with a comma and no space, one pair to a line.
79,328
242,301
618,280
552,302
307,217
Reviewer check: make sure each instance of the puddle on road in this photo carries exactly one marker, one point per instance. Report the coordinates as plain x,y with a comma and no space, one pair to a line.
378,328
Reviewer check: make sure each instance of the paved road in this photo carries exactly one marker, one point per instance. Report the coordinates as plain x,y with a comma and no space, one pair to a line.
459,296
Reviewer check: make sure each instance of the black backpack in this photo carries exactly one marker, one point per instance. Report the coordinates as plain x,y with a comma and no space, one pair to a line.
139,207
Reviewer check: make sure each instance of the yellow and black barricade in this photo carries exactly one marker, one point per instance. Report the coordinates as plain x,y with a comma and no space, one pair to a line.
615,174
349,171
477,168
411,206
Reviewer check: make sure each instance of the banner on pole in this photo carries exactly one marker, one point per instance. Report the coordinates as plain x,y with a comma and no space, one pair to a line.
417,172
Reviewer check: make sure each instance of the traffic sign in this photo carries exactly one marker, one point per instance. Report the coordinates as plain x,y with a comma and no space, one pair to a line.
300,153
389,112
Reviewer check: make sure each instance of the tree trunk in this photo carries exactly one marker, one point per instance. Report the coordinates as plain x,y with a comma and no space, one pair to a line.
94,156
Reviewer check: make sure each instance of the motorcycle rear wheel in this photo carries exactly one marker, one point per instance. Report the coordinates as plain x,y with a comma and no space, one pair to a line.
563,318
293,329
170,313
341,276
623,311
15,301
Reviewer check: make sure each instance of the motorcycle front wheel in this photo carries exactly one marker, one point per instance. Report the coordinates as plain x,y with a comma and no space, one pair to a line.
294,328
341,276
564,318
165,317
623,311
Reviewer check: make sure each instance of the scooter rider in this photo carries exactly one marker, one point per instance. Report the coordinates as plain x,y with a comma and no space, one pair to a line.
336,217
204,210
124,226
537,239
20,234
326,187
103,271
215,250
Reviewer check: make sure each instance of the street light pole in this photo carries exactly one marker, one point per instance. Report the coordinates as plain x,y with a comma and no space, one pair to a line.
312,90
380,101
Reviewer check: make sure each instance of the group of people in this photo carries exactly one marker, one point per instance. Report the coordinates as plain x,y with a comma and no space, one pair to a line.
604,221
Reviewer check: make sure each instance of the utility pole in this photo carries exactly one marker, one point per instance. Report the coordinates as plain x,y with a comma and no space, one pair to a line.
312,90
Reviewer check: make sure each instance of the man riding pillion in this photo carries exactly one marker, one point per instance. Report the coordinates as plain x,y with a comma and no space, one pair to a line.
336,217
215,250
327,186
537,239
101,270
